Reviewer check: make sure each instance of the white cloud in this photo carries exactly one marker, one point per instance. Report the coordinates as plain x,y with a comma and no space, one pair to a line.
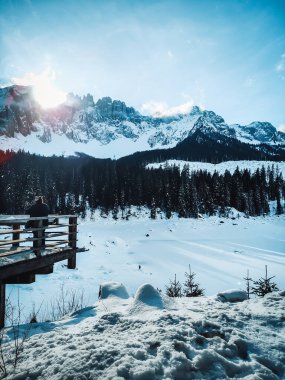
31,79
281,64
281,128
161,109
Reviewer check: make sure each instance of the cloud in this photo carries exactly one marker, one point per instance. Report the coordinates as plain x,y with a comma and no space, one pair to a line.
31,79
161,109
281,128
281,64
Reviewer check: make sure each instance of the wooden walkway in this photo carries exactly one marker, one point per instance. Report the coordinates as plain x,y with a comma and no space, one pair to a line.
23,255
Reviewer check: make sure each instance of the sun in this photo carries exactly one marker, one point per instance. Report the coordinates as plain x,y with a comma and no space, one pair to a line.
47,95
44,89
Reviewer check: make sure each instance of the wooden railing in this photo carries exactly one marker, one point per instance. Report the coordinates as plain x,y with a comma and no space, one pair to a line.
27,255
18,239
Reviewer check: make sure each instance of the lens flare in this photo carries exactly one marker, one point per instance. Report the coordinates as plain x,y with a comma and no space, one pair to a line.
44,89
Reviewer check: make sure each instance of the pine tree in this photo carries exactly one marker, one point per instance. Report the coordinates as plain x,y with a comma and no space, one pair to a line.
279,209
174,289
115,210
182,209
248,287
264,285
153,209
168,213
192,288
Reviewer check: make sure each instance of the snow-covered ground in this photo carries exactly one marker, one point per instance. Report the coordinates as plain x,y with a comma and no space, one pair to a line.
221,167
219,250
137,333
149,337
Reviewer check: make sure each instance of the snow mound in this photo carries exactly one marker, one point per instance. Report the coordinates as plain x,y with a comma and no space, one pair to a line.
146,298
146,293
113,289
232,295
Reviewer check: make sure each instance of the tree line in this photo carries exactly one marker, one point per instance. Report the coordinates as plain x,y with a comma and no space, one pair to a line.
76,184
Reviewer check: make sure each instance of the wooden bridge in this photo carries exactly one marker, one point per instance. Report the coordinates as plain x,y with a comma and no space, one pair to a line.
23,255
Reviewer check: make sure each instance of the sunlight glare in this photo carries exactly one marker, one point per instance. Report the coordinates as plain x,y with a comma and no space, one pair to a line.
44,89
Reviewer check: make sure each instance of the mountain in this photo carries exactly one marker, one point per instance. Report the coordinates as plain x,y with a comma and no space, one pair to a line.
109,128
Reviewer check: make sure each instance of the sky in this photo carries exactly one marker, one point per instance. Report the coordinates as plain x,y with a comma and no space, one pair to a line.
158,56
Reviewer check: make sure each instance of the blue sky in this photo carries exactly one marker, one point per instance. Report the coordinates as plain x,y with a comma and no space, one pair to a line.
226,55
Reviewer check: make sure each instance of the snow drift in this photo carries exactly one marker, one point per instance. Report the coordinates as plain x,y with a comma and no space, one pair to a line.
113,289
199,338
232,295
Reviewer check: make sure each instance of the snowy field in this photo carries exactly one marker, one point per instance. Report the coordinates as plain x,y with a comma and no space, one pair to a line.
134,332
219,250
221,167
149,337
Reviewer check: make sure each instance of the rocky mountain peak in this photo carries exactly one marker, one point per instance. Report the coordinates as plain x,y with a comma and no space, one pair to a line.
196,110
81,120
114,109
18,110
18,96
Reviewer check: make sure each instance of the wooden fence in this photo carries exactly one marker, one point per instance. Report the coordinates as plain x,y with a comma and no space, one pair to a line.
27,252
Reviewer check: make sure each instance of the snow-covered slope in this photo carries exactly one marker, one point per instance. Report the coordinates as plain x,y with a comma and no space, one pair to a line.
109,128
221,167
151,338
258,132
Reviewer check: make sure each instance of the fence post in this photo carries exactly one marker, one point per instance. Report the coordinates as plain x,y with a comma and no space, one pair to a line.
38,235
72,236
2,305
16,235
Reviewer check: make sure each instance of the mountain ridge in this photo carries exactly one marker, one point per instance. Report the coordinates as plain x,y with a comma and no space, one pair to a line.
111,128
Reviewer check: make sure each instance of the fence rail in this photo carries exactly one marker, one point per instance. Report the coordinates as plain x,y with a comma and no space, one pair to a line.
48,244
42,236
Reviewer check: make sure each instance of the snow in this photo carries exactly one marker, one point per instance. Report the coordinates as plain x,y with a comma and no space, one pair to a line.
134,331
232,295
145,297
219,253
198,338
221,167
103,146
113,289
63,146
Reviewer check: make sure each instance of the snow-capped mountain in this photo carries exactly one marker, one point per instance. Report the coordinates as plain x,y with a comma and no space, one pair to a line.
108,127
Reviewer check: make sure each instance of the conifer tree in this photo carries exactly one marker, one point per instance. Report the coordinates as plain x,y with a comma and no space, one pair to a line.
192,288
174,288
279,209
115,210
264,285
248,287
153,209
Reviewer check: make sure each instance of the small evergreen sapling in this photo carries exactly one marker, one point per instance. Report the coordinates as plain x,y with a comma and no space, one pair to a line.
174,289
264,285
192,288
248,287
